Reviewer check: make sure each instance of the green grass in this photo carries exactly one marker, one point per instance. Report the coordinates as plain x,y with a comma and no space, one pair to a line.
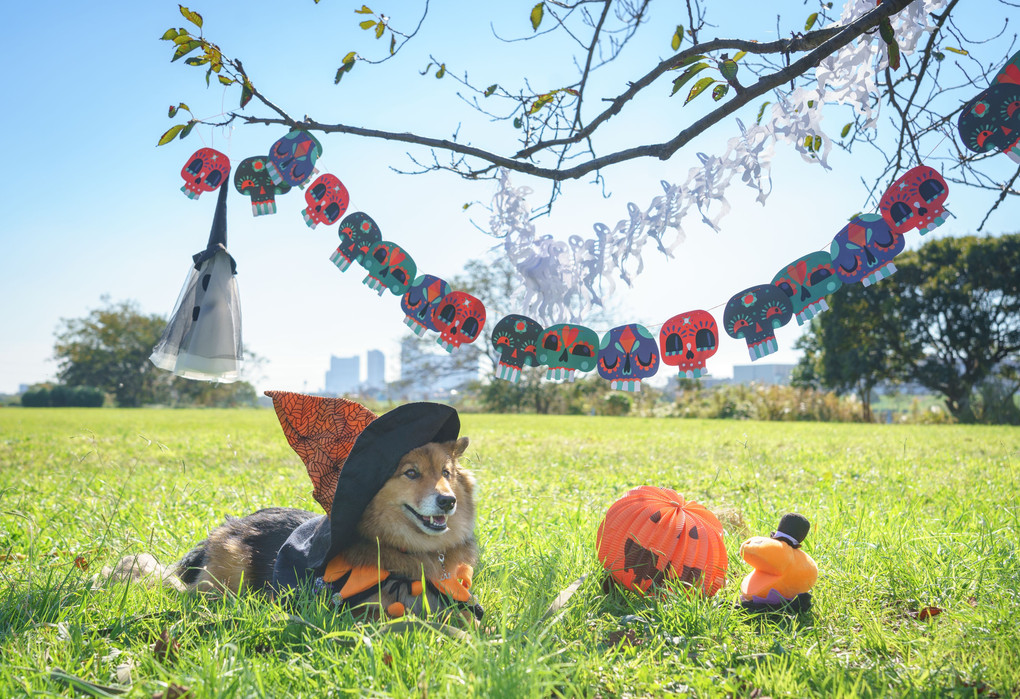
904,517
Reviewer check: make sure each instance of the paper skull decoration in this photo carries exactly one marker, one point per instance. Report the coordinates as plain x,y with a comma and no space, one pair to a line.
754,314
358,233
205,171
515,337
915,200
653,537
327,201
567,349
991,121
252,180
292,158
459,317
389,267
1010,72
420,300
628,353
807,281
687,341
864,249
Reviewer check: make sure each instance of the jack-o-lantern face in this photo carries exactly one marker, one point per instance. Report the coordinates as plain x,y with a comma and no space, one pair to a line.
652,537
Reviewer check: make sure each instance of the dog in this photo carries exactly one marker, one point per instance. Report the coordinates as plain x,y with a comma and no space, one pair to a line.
418,529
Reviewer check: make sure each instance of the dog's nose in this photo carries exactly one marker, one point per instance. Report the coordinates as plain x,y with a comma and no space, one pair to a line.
446,502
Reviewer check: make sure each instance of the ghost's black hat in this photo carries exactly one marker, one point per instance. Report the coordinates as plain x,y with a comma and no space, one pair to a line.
793,529
372,461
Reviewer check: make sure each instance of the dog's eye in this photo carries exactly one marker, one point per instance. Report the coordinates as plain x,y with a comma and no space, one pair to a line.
446,473
412,473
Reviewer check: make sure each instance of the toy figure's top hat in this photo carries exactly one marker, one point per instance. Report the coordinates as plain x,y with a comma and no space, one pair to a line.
793,529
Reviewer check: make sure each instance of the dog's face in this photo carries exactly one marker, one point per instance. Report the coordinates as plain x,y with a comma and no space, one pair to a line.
428,503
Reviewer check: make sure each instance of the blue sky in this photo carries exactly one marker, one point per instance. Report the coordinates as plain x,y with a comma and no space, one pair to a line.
92,207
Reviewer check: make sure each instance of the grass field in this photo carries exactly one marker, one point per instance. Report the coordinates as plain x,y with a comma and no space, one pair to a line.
905,519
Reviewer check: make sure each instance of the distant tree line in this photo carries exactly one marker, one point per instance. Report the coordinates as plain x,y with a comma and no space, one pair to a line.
108,351
63,396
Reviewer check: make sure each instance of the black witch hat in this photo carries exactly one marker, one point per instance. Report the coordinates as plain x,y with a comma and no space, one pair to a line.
373,460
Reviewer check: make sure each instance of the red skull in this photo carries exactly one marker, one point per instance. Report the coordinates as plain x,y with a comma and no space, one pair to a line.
459,318
327,201
688,340
205,171
916,200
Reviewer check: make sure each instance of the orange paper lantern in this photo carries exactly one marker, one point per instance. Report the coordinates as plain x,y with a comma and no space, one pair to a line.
651,536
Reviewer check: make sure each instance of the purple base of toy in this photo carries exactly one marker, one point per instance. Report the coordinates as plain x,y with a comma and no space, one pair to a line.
886,270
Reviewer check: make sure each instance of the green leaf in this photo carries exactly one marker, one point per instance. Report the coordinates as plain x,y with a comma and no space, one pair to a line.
246,93
729,68
542,100
466,206
187,129
173,112
537,12
698,88
846,130
345,68
686,62
761,112
812,18
939,56
818,143
367,24
687,75
183,38
719,91
364,10
957,51
349,58
208,74
169,34
224,80
885,30
379,29
170,134
678,36
518,123
441,72
490,89
894,55
196,60
740,54
192,17
184,49
393,43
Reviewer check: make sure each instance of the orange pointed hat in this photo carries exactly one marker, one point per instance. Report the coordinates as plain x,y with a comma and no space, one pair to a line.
322,431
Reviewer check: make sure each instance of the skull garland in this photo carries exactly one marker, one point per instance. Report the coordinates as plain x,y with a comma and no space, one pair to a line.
754,314
389,267
628,354
915,200
1010,72
420,300
992,119
292,158
205,171
252,180
358,233
864,249
327,200
807,281
459,317
567,349
687,341
516,339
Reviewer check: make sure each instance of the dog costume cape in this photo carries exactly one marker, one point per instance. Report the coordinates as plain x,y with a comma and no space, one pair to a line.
350,453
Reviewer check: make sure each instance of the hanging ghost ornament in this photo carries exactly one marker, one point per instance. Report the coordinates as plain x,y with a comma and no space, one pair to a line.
567,349
205,171
327,201
420,300
807,281
864,249
628,353
754,314
459,317
515,337
687,341
292,159
389,267
203,338
358,233
252,180
915,200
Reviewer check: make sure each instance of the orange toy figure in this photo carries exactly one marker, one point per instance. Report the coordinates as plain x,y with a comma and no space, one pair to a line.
783,574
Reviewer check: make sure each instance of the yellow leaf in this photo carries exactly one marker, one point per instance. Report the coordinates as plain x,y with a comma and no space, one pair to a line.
367,24
698,88
379,29
170,134
537,12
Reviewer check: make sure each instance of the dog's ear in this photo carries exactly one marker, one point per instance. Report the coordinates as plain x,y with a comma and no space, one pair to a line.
460,446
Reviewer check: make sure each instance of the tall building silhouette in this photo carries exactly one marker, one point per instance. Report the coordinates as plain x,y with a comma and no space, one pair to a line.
376,362
344,374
